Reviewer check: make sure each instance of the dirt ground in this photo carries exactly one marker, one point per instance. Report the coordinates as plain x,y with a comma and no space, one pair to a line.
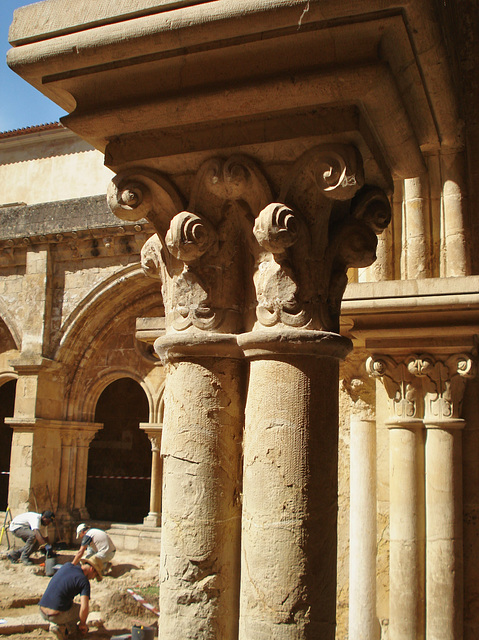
21,588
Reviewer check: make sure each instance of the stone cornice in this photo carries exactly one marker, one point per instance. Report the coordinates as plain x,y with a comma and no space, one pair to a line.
118,59
439,315
54,220
77,229
27,424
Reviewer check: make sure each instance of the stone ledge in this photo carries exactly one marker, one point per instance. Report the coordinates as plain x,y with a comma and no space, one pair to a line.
64,216
25,624
22,624
434,314
382,292
56,18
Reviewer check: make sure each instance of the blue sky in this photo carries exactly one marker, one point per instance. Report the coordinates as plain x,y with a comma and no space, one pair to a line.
20,104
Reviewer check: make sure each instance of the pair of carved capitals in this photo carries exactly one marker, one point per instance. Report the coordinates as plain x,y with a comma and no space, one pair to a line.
241,258
423,387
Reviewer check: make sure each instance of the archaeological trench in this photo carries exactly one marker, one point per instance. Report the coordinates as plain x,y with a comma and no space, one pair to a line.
239,301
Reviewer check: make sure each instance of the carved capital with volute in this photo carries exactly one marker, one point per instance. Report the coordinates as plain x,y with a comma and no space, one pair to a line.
238,258
444,383
402,386
424,386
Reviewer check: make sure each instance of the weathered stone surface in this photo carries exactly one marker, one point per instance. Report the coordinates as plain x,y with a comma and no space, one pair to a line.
249,159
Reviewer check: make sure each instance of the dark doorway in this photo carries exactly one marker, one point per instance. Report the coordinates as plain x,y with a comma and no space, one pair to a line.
7,405
120,455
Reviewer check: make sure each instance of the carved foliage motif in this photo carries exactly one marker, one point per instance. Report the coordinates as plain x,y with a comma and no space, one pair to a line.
199,254
235,259
359,386
276,229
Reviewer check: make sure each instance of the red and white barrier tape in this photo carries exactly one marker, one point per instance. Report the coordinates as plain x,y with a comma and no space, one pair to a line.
123,477
143,602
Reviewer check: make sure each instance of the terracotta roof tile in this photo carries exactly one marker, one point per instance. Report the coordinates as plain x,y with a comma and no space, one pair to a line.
35,129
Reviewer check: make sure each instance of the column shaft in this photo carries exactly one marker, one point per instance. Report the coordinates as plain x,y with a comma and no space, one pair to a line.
155,495
417,214
363,623
288,576
444,591
455,251
154,432
81,478
406,596
199,566
66,489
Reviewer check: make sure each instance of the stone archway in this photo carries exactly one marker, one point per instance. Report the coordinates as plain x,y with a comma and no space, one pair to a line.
7,403
119,462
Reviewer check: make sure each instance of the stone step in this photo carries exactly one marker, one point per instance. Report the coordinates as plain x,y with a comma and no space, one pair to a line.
133,537
126,537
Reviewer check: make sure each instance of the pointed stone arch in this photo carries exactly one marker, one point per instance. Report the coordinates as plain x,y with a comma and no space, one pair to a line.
104,302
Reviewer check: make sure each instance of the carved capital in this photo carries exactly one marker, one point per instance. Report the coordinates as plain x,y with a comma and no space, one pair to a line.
359,386
444,385
324,223
85,438
236,259
401,384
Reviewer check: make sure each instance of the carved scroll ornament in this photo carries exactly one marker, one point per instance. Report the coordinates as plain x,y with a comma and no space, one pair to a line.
199,253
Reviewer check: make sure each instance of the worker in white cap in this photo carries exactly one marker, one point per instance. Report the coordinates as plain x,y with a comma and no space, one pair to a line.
94,542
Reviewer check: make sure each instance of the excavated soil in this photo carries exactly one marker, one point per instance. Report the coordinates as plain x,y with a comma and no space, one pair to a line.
21,588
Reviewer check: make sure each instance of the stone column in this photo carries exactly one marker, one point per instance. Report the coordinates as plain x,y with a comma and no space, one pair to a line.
288,572
416,242
289,520
444,388
363,622
66,489
272,294
84,435
407,561
199,566
197,256
154,431
454,245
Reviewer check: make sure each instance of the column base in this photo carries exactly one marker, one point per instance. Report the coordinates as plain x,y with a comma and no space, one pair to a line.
153,519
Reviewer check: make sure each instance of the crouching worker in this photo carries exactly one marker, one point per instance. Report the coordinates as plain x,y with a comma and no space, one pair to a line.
95,542
57,606
27,527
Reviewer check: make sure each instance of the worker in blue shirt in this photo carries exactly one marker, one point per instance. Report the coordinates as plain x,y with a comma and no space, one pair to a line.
57,606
